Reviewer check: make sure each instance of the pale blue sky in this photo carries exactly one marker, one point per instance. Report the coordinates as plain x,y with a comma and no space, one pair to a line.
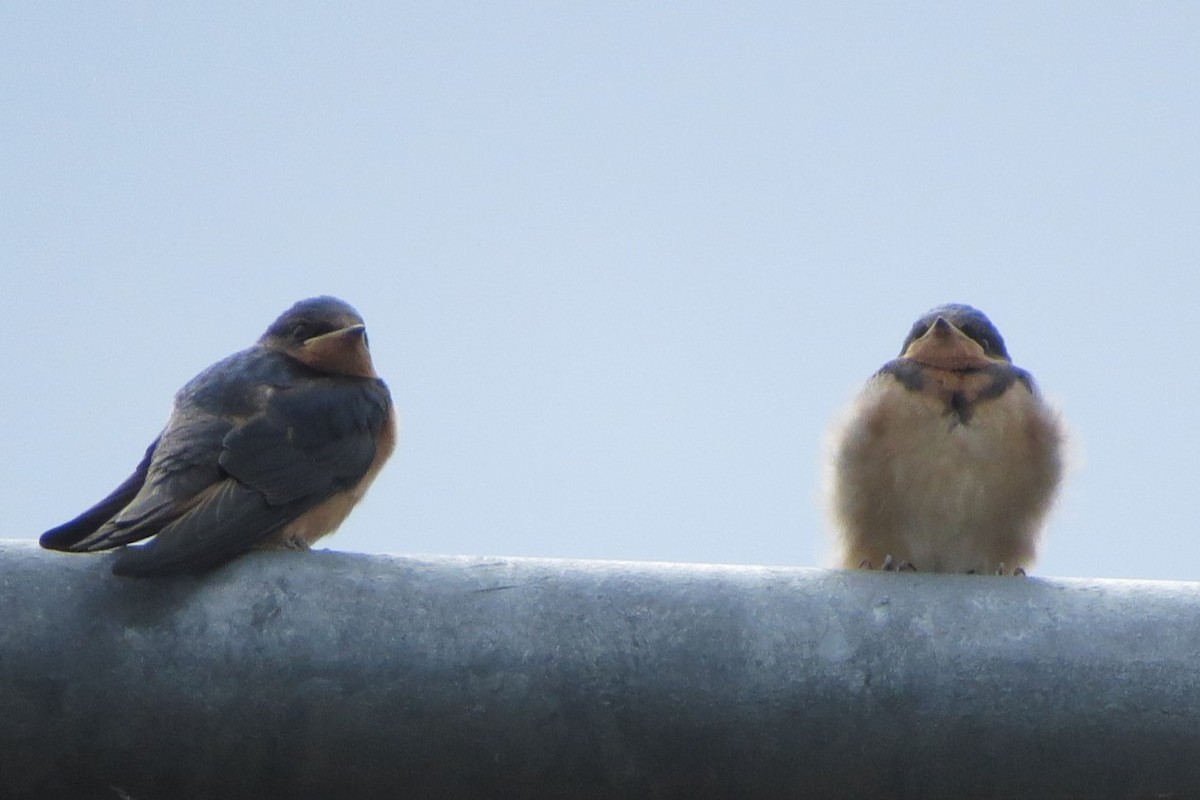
621,263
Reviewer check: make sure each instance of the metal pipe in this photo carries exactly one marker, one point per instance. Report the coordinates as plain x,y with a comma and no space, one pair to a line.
324,674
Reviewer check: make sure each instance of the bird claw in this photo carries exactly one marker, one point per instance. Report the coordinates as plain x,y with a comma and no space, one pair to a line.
1002,569
889,565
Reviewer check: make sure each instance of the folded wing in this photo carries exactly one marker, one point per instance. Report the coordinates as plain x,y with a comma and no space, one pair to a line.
311,442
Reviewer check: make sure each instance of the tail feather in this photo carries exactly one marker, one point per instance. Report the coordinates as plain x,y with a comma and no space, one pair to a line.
68,535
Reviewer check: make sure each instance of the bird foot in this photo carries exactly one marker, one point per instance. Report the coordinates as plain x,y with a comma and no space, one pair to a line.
1001,569
889,565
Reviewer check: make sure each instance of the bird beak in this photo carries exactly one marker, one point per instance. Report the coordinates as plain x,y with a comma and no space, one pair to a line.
944,346
340,352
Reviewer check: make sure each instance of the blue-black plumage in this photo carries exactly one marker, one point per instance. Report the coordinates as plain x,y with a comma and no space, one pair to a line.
271,446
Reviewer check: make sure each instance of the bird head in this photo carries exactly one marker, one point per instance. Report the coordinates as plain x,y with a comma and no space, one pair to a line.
323,333
954,337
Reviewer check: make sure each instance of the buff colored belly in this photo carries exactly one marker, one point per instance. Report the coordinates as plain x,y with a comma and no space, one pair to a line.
919,485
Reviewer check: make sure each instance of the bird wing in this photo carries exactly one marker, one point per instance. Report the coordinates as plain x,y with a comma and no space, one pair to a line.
312,441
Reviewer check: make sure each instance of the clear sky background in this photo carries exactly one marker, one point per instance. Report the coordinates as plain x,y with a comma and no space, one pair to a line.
621,263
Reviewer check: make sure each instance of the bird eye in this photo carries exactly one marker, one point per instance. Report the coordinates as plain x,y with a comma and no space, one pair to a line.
366,341
300,332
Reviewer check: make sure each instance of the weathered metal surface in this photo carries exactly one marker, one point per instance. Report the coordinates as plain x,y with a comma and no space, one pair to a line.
337,675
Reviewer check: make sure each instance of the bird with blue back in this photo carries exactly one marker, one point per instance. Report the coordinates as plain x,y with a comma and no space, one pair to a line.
272,446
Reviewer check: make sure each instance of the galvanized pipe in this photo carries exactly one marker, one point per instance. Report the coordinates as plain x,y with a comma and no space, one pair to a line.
329,674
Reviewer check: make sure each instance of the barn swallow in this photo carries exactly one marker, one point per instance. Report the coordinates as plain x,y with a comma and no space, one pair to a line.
949,458
271,446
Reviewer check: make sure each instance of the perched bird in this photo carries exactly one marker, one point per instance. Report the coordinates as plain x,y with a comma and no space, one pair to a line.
949,458
271,446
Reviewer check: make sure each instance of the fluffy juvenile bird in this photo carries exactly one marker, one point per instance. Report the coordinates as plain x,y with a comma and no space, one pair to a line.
949,458
271,446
